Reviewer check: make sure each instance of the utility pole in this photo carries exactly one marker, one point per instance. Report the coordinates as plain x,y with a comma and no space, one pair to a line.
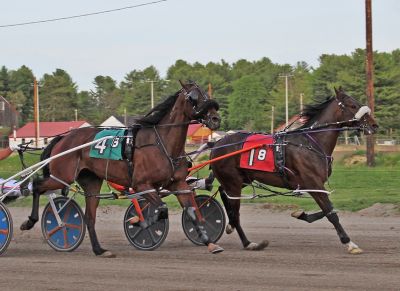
151,91
36,111
209,90
301,101
370,80
272,118
286,76
76,114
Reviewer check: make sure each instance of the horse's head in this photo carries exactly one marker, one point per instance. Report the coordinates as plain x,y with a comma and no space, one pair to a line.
200,106
355,113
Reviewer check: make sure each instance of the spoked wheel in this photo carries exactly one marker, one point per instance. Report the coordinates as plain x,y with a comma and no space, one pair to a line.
70,234
145,235
6,228
214,220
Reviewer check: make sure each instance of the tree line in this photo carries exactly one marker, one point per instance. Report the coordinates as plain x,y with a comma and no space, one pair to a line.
246,90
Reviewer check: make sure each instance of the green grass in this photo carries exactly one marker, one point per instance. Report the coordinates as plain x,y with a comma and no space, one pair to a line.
355,187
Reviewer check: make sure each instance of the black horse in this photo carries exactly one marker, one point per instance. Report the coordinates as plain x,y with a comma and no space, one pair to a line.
308,154
158,160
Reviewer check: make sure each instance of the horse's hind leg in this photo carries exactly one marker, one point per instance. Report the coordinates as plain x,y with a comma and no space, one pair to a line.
309,217
232,207
229,211
91,184
326,205
39,187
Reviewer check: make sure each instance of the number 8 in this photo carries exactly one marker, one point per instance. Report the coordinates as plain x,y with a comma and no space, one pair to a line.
261,154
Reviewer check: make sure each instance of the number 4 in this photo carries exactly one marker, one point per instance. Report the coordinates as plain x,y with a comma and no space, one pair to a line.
101,146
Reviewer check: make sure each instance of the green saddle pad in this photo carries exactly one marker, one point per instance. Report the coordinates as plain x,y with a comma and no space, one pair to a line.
108,148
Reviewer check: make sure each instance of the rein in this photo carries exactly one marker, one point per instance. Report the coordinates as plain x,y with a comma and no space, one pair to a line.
160,143
302,131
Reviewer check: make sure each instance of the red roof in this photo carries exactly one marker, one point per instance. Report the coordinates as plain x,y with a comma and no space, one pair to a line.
48,129
193,128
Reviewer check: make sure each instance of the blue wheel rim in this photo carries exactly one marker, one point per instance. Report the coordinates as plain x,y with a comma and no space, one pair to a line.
4,228
67,236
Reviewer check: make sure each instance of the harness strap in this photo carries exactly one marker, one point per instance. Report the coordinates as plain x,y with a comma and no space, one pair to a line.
279,157
128,152
160,143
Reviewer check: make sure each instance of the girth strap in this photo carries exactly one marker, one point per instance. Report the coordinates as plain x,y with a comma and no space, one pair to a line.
129,149
279,156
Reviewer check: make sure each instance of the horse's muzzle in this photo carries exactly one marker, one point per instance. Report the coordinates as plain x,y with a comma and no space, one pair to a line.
213,121
370,129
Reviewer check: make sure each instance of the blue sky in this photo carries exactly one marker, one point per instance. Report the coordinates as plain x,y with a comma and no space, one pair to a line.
286,31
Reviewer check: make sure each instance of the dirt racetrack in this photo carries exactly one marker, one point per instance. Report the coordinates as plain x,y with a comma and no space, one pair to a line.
300,256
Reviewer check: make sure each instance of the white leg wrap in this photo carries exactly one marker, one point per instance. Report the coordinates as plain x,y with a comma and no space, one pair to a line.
252,246
352,248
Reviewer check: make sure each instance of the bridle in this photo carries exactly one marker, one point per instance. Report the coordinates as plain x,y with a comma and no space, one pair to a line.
359,116
192,96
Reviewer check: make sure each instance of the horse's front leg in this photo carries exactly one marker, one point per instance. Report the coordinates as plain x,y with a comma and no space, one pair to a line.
92,202
152,196
91,184
188,203
326,206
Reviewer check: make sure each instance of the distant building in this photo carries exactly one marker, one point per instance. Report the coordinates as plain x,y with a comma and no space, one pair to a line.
119,121
9,116
197,134
47,131
112,121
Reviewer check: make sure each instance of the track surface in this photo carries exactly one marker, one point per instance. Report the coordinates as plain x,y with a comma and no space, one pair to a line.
300,256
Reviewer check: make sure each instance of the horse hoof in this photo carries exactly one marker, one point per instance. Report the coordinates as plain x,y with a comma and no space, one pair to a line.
257,247
297,214
353,249
356,251
134,219
107,254
27,225
214,249
229,229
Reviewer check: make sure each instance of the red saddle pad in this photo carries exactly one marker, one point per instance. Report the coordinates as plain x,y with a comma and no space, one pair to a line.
259,158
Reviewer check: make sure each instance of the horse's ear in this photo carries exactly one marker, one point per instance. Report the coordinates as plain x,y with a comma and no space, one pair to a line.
184,86
338,91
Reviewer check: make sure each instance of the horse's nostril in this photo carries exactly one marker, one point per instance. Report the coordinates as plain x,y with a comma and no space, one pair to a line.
215,119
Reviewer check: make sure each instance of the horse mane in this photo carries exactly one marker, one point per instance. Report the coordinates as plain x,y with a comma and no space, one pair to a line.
312,111
159,111
47,152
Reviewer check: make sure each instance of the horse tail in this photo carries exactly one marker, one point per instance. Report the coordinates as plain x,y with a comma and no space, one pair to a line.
46,154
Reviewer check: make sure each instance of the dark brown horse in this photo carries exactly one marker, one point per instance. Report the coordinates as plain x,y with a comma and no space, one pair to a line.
158,160
308,151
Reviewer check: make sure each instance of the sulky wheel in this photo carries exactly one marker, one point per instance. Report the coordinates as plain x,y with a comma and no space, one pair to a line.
213,216
6,228
70,234
147,235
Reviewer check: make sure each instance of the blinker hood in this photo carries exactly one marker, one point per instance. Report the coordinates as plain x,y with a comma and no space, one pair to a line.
206,106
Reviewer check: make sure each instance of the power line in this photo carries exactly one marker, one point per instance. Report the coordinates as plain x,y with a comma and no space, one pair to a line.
82,15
